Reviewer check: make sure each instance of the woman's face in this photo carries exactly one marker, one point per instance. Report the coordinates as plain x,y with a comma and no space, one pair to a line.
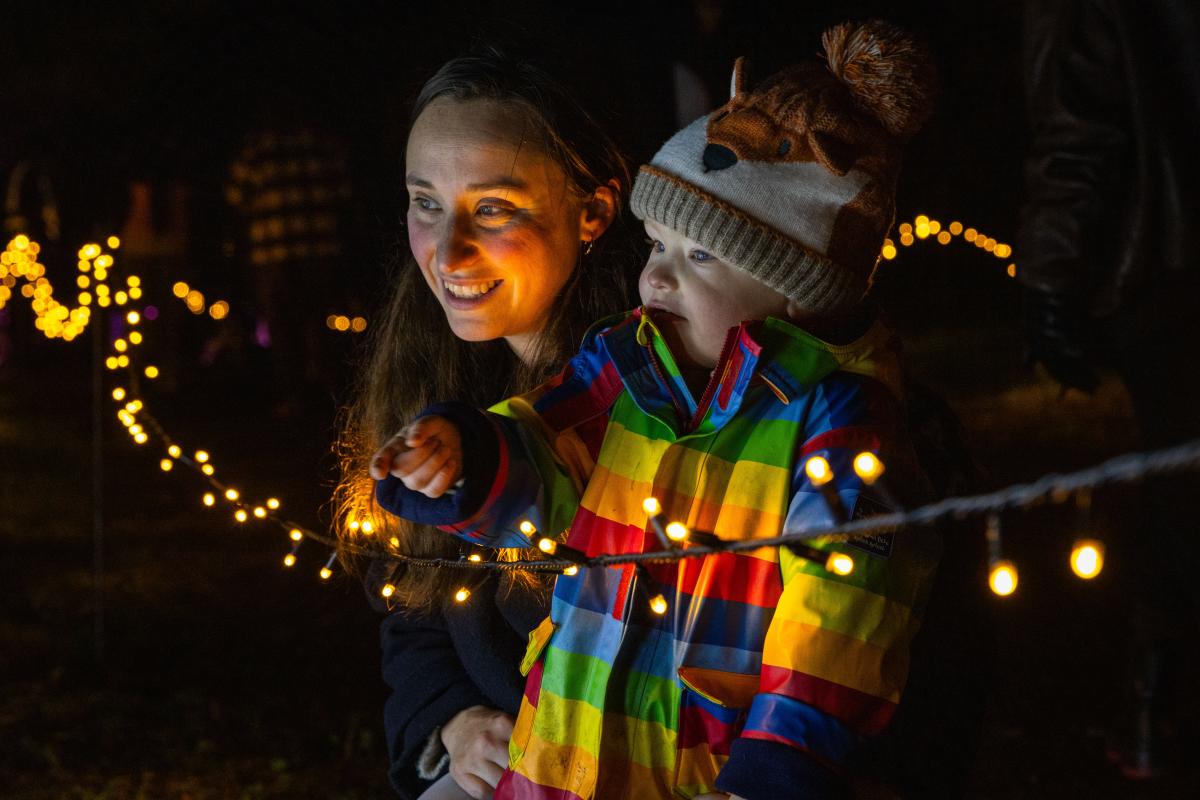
492,220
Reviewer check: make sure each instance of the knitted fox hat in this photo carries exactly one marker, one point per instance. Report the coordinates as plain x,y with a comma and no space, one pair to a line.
794,181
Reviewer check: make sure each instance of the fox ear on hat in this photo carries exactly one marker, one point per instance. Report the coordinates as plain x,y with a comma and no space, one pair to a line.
737,83
889,73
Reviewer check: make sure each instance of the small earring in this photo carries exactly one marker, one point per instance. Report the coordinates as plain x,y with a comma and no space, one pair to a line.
587,246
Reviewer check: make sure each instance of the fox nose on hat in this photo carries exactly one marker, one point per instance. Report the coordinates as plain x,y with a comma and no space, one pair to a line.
718,156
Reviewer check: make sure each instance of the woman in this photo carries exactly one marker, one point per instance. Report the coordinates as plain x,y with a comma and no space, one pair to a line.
514,224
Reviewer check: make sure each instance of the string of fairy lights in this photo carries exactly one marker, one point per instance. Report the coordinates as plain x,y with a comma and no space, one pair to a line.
18,262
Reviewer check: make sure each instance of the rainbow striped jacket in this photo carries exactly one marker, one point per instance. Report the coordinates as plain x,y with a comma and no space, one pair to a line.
765,672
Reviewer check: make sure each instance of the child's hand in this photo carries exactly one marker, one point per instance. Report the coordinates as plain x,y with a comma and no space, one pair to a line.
426,456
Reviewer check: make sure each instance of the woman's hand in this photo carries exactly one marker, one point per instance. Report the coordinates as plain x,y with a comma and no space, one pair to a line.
426,456
477,740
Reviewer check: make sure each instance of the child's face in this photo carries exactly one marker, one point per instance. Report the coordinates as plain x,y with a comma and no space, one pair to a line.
702,296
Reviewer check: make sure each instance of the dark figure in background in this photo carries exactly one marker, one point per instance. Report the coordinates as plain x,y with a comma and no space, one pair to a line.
290,188
1110,269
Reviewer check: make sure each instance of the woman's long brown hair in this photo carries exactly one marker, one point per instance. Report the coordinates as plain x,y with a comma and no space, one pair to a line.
413,359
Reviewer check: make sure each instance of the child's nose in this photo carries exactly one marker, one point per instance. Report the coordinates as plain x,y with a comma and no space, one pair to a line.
658,274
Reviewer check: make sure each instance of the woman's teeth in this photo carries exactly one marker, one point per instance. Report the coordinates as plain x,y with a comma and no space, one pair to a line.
471,289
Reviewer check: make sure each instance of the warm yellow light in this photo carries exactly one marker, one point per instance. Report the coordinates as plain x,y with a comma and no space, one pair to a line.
101,274
151,372
134,281
296,535
1002,251
889,251
677,532
120,345
289,560
180,289
388,590
658,604
201,456
956,227
475,557
1012,270
368,527
651,506
85,299
934,226
970,234
113,242
358,324
922,230
219,310
905,228
260,512
342,323
209,498
818,471
1087,558
839,564
133,318
135,337
462,594
273,503
21,242
231,494
527,527
122,361
118,394
944,237
868,467
906,239
571,570
104,262
111,362
394,542
166,464
240,515
330,321
353,525
547,546
141,438
174,451
83,281
207,469
135,293
1002,579
326,573
135,429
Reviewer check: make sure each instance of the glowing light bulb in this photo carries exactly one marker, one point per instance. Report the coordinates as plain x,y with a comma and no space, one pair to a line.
260,512
658,604
461,595
651,506
201,456
1002,578
818,471
231,494
180,289
677,532
547,546
141,438
289,560
209,498
839,564
868,467
207,469
113,242
296,535
151,372
326,573
368,527
120,345
475,557
174,451
240,515
527,527
166,464
118,394
354,525
273,503
1087,558
133,318
571,570
388,590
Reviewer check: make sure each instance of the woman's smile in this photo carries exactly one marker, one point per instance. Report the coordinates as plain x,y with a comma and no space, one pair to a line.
463,296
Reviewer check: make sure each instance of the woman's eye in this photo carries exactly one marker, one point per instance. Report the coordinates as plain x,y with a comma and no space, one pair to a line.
424,203
493,210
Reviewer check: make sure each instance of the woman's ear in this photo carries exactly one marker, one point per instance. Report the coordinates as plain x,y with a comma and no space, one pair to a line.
599,211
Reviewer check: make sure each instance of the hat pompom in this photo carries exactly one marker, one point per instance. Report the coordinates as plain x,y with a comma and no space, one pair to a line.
888,72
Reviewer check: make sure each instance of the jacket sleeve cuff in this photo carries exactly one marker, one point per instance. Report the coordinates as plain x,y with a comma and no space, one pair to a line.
762,770
480,464
434,758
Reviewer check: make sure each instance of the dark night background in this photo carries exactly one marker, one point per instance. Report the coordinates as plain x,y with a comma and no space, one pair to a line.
226,676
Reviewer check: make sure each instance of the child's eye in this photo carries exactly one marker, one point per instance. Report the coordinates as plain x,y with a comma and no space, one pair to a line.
655,245
700,255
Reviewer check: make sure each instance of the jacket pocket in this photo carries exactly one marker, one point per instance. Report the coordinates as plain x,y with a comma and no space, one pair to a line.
531,668
712,711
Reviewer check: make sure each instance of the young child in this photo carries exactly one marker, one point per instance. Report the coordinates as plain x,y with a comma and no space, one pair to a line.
765,671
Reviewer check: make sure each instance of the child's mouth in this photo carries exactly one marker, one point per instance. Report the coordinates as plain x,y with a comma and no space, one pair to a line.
468,295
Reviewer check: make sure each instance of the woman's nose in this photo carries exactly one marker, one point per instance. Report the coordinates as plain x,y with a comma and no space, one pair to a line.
456,245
